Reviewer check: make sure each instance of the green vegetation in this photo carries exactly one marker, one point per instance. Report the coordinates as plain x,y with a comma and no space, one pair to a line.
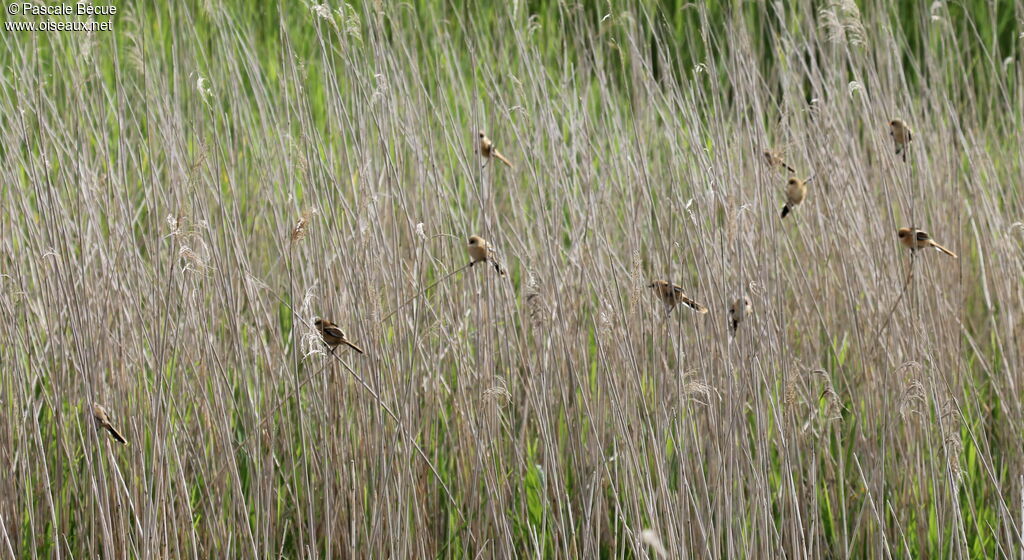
181,196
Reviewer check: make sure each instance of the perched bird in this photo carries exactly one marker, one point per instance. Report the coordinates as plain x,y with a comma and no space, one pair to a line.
487,150
901,136
103,420
672,295
796,190
775,161
915,239
739,311
333,336
480,251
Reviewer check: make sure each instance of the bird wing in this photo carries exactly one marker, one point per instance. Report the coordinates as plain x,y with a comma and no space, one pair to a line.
100,414
334,331
923,236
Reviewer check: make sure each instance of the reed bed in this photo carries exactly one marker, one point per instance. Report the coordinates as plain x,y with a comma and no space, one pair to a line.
180,197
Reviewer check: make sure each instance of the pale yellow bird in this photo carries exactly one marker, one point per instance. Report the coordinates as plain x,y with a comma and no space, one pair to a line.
796,191
901,136
915,240
738,311
480,251
103,420
672,295
487,150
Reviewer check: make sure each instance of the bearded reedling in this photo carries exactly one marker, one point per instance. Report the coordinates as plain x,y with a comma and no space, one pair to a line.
738,311
334,336
103,420
901,136
915,240
480,251
672,295
487,150
796,191
775,161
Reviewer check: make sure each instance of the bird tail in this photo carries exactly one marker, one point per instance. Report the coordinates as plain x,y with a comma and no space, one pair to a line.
788,168
734,325
498,155
695,306
944,250
117,435
785,211
353,346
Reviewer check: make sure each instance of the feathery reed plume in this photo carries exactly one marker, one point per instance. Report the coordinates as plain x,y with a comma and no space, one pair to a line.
605,321
299,231
952,443
536,310
833,405
174,222
310,343
912,396
498,394
193,251
692,389
790,396
651,539
842,22
196,260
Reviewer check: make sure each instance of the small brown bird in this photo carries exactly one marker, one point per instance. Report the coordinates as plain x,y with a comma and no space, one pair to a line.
103,420
739,311
487,150
901,136
480,251
333,336
775,161
672,295
915,240
796,190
